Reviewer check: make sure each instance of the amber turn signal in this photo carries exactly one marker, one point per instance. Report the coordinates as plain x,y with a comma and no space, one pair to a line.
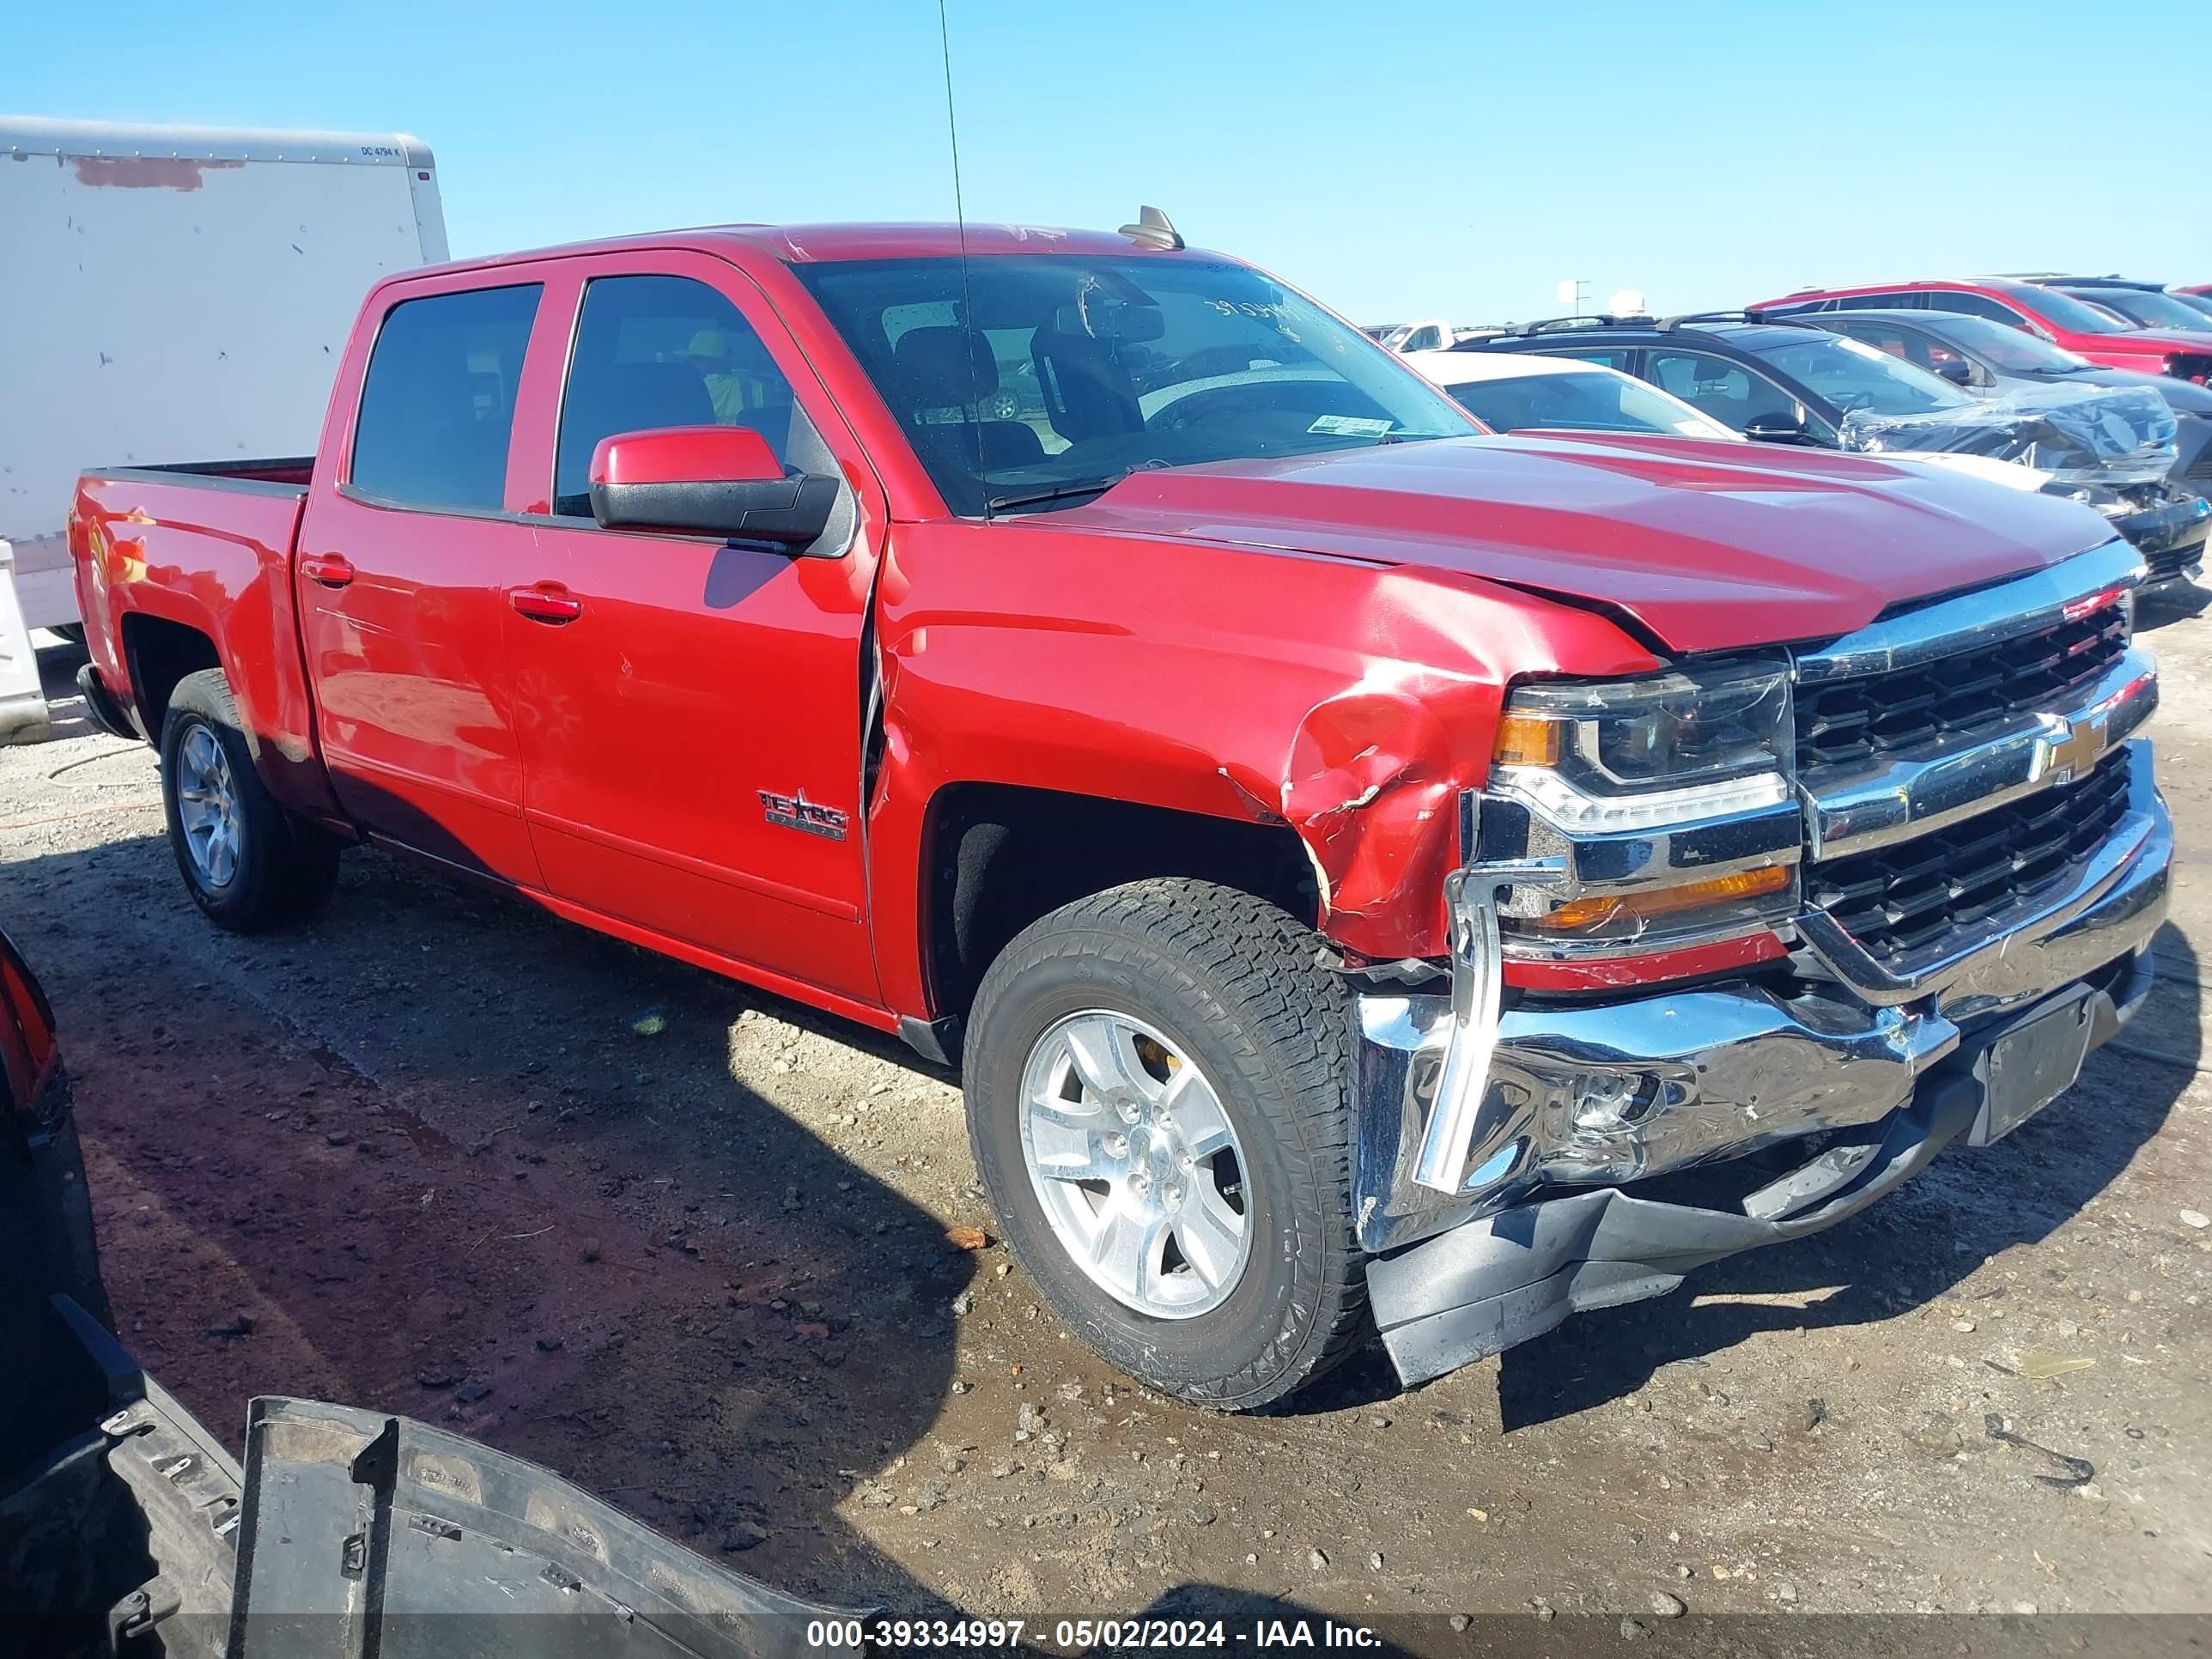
1526,740
1579,915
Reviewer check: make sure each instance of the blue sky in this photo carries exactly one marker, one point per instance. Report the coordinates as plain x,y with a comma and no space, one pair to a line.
1396,161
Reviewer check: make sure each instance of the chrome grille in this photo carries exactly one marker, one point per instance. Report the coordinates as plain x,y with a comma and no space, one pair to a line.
1844,725
1897,901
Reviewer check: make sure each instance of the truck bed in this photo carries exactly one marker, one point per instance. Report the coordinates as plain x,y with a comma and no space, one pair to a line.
205,546
289,469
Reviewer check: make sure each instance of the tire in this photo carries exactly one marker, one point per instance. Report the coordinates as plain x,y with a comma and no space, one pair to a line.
1231,984
279,868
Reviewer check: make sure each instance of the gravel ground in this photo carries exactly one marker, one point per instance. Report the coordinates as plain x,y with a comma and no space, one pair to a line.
701,1250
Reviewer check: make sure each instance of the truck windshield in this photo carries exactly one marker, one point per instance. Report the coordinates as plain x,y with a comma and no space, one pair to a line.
1035,381
1851,374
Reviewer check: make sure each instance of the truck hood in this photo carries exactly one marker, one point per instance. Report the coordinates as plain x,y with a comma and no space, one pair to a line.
1707,546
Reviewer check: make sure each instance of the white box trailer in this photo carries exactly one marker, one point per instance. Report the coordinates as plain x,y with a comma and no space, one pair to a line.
170,292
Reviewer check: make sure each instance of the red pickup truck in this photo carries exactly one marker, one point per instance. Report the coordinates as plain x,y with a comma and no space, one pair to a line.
1351,858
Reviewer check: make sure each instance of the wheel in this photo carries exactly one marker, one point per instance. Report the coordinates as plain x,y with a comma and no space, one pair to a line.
1159,1081
248,863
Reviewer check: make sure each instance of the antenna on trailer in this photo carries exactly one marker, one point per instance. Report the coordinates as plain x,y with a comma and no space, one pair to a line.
971,336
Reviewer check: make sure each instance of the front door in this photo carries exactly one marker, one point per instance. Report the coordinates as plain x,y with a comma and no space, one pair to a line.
689,709
400,579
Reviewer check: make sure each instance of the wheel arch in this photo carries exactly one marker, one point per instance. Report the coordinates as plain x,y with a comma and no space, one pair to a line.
159,652
996,856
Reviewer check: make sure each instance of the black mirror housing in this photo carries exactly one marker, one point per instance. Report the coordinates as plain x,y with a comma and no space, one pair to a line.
792,511
1776,429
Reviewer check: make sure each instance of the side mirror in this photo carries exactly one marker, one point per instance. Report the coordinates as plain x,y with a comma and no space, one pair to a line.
1957,370
710,480
1776,429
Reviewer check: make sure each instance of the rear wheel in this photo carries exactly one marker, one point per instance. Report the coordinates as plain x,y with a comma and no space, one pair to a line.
1158,1095
248,863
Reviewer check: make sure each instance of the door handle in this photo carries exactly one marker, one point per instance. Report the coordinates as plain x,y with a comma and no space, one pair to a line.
548,602
331,569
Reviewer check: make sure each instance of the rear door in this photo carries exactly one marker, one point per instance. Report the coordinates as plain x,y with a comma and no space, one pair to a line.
401,579
691,724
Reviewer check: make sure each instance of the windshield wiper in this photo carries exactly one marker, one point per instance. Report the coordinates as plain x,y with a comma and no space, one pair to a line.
1073,489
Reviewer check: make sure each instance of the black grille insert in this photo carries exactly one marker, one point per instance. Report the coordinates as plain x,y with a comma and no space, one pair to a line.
1897,901
1853,722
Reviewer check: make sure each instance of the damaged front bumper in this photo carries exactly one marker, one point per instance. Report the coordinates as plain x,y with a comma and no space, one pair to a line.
1469,1116
2170,537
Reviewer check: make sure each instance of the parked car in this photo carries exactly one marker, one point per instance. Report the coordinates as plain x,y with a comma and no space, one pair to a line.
2043,311
126,1528
1341,849
1981,355
2140,305
217,271
1796,383
1432,335
1561,394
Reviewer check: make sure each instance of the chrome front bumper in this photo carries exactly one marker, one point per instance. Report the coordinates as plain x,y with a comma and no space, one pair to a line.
1466,1110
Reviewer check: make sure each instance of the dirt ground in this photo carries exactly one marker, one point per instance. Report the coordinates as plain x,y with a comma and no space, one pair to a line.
686,1243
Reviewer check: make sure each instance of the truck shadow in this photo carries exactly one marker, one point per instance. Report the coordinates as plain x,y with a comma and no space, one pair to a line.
438,1143
441,1155
2176,603
1913,1247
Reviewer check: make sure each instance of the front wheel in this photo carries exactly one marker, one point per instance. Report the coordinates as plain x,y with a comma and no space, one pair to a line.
248,864
1158,1083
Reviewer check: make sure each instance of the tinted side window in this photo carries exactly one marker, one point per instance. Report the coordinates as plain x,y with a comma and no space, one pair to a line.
1908,301
438,401
1975,305
1610,356
655,351
1888,337
1732,394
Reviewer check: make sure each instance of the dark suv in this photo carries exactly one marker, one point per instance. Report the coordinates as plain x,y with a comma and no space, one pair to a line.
1982,356
1797,383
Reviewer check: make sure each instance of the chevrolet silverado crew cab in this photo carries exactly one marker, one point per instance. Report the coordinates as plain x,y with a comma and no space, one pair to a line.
1351,858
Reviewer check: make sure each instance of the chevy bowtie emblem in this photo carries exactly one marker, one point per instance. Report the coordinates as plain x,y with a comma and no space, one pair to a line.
2071,748
797,812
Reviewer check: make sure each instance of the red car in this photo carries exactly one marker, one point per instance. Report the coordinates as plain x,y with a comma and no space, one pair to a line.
1340,847
2058,318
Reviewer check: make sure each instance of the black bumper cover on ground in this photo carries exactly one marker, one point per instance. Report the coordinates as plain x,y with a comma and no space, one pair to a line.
1490,1284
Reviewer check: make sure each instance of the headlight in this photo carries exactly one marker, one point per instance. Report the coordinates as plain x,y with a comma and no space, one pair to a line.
1642,754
